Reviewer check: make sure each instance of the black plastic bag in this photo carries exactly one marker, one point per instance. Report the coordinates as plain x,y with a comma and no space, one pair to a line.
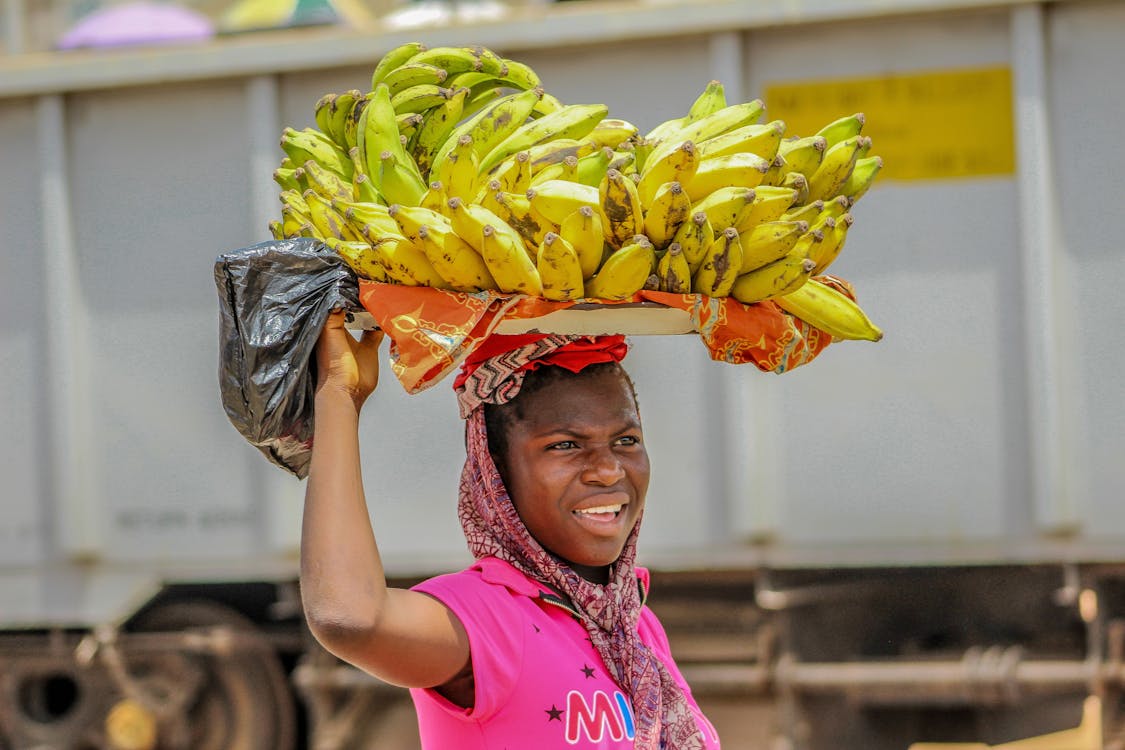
273,300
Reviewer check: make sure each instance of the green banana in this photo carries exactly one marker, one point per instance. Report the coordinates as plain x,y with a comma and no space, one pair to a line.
842,129
709,102
436,127
395,58
414,74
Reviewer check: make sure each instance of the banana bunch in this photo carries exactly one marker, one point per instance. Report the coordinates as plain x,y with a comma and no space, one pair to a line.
456,170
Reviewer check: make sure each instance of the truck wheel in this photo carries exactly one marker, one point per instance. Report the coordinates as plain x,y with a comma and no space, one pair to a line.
237,701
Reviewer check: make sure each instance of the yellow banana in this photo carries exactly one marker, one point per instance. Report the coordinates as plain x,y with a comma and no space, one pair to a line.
292,221
327,221
842,129
397,183
559,268
828,250
674,271
726,207
722,262
409,219
611,132
834,169
620,204
716,123
322,114
567,170
414,74
394,58
374,215
769,241
768,205
676,165
408,124
624,272
624,162
435,197
454,259
491,125
336,117
783,276
670,208
836,207
553,152
508,261
741,169
573,121
459,172
406,263
583,231
808,212
556,199
514,173
694,237
762,139
503,249
516,211
801,155
326,182
709,102
352,121
863,174
831,311
360,257
277,229
796,182
436,126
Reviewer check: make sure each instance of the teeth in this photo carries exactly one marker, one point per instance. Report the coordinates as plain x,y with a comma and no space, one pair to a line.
601,509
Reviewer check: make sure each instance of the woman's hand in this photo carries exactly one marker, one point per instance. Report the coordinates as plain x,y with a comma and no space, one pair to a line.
344,364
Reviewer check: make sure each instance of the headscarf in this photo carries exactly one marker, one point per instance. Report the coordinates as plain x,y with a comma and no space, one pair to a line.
492,527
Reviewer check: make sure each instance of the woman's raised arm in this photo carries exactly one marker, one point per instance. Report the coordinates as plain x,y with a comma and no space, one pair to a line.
403,637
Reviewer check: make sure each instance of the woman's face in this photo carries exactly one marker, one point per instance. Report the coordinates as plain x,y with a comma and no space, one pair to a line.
577,470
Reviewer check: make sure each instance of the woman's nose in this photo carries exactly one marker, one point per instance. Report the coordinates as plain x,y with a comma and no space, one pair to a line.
604,467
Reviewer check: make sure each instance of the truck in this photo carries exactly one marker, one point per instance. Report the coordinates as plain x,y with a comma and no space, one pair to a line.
919,540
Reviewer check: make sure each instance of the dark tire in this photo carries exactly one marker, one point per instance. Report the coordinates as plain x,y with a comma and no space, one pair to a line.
243,700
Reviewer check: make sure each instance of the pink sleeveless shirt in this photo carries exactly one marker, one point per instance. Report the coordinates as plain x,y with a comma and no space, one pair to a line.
539,683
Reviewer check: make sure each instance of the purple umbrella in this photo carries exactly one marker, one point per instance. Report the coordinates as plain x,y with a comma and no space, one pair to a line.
138,23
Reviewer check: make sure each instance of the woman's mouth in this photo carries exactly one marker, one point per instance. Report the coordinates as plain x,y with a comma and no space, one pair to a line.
600,513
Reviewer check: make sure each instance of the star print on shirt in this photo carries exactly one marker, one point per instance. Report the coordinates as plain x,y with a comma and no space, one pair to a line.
588,671
554,713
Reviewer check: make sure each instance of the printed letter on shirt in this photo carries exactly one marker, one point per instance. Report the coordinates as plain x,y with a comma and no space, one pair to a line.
605,716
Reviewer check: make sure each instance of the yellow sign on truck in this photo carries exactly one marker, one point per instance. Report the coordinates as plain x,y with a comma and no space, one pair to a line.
926,126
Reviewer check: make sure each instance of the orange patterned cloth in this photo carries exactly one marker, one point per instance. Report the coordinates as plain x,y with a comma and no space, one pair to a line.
432,331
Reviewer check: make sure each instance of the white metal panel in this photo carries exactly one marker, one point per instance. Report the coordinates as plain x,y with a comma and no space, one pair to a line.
1086,44
22,354
160,186
919,436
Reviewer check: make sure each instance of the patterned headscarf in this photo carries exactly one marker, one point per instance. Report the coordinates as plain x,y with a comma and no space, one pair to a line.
493,528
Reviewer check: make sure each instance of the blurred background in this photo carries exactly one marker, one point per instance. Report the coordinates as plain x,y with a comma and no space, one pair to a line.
915,541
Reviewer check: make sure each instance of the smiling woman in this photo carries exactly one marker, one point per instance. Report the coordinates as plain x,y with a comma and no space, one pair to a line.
545,641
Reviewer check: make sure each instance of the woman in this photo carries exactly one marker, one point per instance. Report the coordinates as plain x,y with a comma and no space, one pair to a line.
544,642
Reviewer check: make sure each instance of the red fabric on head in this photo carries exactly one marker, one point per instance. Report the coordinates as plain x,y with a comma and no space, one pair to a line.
574,356
494,372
